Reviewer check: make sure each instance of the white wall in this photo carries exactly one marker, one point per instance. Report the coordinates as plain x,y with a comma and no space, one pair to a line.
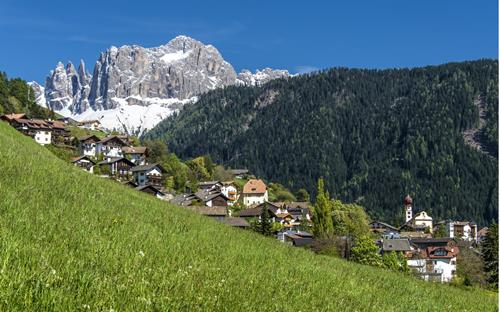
43,137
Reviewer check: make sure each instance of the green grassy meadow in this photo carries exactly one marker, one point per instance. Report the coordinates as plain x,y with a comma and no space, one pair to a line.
71,241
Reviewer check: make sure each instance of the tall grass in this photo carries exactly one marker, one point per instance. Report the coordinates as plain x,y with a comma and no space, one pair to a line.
73,241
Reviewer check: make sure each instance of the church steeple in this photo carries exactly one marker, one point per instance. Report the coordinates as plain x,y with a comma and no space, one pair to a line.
408,208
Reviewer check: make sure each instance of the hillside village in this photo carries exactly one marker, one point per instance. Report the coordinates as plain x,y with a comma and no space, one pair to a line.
430,248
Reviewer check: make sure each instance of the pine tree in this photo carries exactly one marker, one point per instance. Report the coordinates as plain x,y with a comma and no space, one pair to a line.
322,215
490,255
265,225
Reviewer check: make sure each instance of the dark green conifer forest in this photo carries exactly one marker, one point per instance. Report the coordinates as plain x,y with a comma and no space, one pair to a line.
373,135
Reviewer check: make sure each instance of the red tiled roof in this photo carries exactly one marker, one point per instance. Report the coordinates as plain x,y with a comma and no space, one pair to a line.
254,186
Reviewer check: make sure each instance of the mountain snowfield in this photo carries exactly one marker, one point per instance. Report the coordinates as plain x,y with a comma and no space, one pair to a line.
133,88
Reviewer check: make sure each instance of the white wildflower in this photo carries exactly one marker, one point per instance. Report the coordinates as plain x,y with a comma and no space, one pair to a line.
141,253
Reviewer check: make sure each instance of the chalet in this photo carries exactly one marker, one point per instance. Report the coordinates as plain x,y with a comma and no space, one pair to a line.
461,230
84,162
90,124
88,145
130,184
136,154
10,117
215,212
254,192
111,146
236,222
295,238
210,198
256,211
382,227
437,263
68,121
229,190
42,131
277,213
209,185
150,189
148,174
119,167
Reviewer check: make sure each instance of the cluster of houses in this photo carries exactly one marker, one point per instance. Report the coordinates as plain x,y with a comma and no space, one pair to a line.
215,199
431,258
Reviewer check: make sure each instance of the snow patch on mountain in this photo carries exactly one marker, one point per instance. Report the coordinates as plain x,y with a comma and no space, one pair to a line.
132,88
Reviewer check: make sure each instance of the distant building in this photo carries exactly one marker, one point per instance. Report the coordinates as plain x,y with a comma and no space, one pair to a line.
136,154
420,222
150,189
84,162
254,192
90,124
119,167
88,145
461,230
42,131
434,259
229,190
239,173
148,174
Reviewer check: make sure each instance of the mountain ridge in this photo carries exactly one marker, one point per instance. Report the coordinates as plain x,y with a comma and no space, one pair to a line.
132,88
373,135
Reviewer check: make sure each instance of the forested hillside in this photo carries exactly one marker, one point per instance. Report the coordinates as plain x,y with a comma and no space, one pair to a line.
16,96
374,135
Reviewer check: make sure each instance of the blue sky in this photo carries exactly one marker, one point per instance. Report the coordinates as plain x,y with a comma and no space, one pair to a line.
294,35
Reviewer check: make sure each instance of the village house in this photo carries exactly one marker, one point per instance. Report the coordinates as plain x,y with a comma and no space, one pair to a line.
150,189
254,192
42,131
461,230
118,167
211,198
88,145
90,124
434,258
300,211
295,238
401,245
84,162
210,185
136,154
148,174
229,190
111,146
277,213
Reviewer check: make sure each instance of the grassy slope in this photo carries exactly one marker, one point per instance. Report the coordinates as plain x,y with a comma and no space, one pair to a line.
69,239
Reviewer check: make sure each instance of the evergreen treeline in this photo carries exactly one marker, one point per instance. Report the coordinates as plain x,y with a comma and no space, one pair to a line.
16,96
373,135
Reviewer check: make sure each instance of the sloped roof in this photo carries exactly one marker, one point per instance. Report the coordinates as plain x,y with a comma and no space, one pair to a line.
134,149
147,167
113,138
254,186
148,186
75,159
396,244
88,137
13,116
113,160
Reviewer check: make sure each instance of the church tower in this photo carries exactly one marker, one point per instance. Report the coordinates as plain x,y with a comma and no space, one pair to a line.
408,208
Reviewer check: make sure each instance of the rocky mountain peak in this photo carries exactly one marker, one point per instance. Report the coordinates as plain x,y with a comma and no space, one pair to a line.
150,81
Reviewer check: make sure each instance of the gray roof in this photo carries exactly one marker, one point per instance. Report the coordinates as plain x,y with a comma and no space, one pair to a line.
396,244
146,167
